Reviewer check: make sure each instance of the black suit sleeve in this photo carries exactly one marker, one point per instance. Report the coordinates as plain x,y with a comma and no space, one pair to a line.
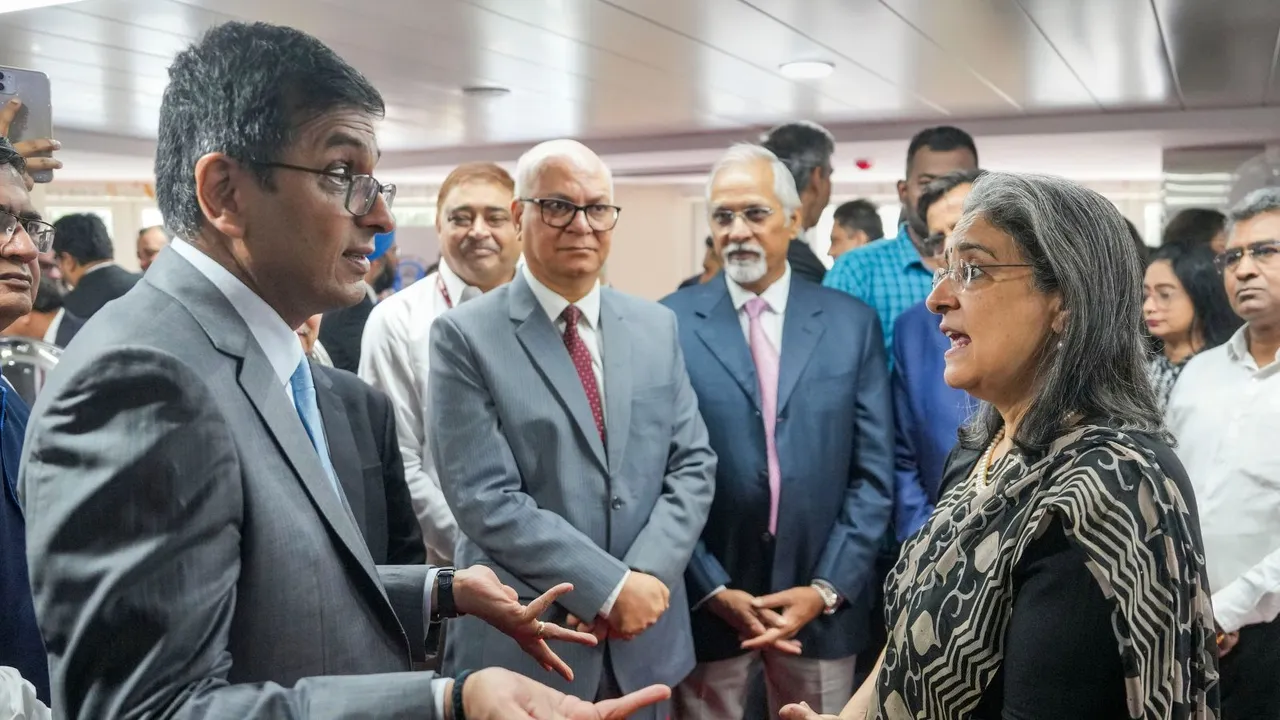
404,535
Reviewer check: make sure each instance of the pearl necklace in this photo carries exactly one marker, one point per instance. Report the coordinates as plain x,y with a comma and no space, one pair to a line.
986,461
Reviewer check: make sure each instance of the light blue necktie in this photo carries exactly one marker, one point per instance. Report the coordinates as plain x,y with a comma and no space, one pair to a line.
304,400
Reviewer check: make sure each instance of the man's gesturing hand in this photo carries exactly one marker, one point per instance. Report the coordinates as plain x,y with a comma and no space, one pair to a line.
642,601
496,694
477,591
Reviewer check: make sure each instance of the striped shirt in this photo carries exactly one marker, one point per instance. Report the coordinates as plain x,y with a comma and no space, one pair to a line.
887,274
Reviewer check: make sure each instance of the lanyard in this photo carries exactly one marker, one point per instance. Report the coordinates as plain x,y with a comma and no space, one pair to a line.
444,291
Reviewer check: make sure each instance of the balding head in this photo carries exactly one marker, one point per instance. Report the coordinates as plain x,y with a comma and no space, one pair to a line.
566,213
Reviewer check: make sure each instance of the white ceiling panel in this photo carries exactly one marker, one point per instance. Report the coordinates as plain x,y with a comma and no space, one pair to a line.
627,71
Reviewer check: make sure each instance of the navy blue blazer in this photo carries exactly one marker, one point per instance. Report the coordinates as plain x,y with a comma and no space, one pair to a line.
834,438
20,643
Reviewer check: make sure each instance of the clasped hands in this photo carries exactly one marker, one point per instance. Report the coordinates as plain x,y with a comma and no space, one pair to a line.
638,606
769,621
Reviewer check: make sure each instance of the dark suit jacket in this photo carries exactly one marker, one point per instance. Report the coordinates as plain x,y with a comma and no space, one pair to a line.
340,333
834,439
361,428
68,328
97,288
804,263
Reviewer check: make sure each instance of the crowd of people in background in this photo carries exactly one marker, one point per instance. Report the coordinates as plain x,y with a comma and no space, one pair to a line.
1004,461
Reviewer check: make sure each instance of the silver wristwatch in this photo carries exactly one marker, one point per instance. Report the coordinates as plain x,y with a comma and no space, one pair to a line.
830,597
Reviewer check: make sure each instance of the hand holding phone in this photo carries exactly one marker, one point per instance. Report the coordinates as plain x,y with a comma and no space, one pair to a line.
26,120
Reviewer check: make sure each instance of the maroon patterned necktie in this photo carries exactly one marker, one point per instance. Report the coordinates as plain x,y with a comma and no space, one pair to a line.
582,363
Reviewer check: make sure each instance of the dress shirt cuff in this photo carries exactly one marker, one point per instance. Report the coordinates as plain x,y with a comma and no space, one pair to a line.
439,686
427,588
1240,604
613,596
710,595
830,588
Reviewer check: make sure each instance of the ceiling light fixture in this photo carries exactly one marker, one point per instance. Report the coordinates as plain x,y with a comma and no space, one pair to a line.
806,69
485,91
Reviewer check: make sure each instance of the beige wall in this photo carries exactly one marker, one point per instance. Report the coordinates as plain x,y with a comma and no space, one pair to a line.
652,242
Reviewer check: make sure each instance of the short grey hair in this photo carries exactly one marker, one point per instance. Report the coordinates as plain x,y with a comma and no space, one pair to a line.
784,186
530,163
1077,245
1262,200
801,146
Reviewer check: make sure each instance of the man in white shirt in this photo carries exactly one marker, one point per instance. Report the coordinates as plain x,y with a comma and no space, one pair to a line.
1225,414
479,247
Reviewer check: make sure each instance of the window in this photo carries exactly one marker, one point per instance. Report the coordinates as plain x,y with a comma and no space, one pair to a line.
151,217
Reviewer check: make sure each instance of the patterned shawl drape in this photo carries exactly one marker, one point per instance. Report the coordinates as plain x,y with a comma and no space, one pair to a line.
951,593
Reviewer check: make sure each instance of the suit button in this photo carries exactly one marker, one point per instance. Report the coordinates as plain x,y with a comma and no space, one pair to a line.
758,413
616,504
765,537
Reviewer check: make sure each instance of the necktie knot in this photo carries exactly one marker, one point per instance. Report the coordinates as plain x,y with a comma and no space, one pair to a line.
755,306
301,380
571,315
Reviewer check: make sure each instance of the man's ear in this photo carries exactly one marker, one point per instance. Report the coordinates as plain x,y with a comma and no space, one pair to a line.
218,190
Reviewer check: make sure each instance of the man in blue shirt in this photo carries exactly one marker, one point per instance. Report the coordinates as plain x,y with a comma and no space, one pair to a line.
927,412
23,235
897,273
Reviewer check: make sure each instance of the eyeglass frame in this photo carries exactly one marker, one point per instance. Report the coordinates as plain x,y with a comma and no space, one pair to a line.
542,212
21,222
1222,262
735,214
948,271
387,191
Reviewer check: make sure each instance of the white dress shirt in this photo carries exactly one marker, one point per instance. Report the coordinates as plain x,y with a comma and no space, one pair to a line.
589,330
284,352
395,357
51,334
1225,414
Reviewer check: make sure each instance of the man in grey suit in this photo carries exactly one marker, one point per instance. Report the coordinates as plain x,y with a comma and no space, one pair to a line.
569,443
192,552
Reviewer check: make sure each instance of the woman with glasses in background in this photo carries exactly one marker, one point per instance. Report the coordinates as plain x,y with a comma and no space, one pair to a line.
1186,310
1062,574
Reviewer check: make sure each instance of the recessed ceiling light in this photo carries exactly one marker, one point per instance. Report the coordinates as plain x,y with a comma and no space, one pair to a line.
485,90
806,69
16,5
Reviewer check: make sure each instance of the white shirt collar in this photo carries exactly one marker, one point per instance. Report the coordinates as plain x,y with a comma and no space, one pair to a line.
775,295
1238,348
554,305
459,290
278,341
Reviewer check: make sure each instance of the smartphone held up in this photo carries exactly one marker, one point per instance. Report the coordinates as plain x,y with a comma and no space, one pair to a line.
28,123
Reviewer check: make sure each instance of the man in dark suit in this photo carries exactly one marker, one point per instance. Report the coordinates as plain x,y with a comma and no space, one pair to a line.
710,266
48,320
793,385
805,148
84,253
366,455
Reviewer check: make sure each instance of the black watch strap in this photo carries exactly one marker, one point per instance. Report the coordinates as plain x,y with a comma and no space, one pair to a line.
458,712
446,607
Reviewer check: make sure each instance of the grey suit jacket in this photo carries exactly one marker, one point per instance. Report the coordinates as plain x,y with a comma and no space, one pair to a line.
542,501
188,556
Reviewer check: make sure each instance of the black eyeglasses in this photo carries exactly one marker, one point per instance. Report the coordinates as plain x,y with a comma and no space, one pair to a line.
362,190
559,214
1262,253
40,232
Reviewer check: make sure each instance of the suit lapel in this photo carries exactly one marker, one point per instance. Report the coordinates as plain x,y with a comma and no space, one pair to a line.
721,331
546,348
342,447
616,348
801,330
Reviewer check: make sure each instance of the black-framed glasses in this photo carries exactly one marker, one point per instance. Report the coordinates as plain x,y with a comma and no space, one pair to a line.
40,232
559,214
754,216
1263,252
362,190
965,273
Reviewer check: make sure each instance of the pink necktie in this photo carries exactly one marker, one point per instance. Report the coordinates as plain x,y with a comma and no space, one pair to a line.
765,356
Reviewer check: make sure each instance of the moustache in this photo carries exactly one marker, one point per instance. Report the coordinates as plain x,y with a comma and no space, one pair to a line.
472,244
744,247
